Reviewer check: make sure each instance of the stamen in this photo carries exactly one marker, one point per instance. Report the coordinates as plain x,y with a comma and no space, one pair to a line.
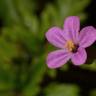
70,45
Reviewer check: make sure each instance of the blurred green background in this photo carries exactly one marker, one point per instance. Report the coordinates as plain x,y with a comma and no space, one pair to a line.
23,49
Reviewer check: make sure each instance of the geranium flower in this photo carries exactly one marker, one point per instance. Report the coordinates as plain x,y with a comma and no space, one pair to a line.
72,42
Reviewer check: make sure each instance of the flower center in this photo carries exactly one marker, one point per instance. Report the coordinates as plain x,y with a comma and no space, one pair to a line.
71,46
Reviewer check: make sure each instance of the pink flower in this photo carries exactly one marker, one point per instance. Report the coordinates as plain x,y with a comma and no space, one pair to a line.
72,42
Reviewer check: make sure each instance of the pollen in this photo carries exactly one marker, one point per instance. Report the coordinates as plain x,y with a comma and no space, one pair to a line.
70,45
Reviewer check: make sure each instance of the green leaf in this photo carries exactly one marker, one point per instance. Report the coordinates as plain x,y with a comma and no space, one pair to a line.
61,90
36,75
52,72
91,67
93,92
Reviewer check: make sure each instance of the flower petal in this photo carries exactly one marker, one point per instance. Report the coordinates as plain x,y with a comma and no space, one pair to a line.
56,37
87,36
58,58
72,26
79,57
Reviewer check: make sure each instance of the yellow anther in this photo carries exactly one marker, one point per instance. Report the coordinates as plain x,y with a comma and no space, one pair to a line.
70,45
